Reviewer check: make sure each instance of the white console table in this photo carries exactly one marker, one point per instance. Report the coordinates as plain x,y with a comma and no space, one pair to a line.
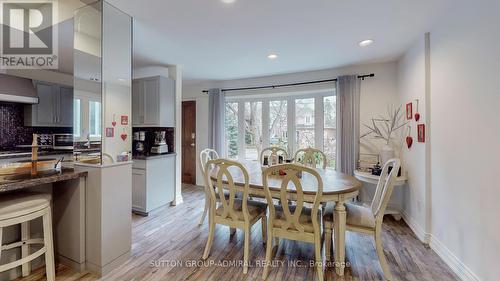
373,179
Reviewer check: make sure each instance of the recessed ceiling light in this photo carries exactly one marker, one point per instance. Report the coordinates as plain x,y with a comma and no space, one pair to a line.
228,1
365,43
272,56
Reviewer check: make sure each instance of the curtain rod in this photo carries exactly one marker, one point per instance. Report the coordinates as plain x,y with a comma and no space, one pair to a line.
362,77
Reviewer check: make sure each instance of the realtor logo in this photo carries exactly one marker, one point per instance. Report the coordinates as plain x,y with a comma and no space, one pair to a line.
29,35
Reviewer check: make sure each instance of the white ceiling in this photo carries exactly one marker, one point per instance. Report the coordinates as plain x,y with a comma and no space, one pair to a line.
213,40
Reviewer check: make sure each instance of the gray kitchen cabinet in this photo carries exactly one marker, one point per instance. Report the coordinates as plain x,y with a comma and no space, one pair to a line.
153,183
54,109
153,102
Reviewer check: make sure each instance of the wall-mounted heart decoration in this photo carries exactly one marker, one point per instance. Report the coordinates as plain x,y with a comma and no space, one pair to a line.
417,115
409,139
123,136
113,123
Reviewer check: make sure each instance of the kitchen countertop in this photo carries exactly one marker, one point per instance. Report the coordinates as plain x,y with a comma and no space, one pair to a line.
153,156
21,181
27,154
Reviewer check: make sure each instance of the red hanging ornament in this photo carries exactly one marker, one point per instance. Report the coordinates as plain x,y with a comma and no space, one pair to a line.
409,139
417,115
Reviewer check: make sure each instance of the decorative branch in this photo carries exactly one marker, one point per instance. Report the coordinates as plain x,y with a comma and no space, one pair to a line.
385,128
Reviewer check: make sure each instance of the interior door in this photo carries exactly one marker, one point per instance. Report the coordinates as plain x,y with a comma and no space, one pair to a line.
189,142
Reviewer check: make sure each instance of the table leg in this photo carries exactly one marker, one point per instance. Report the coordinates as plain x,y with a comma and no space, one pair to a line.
339,218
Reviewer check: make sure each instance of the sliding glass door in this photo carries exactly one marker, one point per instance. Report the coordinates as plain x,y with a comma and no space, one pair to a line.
289,122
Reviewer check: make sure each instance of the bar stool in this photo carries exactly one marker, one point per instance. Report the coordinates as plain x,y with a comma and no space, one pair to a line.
21,208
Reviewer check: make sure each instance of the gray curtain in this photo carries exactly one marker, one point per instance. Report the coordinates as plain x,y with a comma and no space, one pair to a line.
348,99
216,132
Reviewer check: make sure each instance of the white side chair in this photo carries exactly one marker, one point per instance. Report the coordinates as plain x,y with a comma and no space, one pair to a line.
295,222
233,212
22,208
311,157
368,220
206,155
272,151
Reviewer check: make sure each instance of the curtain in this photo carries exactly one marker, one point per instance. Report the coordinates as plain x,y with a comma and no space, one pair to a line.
216,132
348,100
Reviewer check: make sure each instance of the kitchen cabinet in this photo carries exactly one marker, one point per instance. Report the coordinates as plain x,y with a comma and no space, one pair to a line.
54,109
153,183
153,102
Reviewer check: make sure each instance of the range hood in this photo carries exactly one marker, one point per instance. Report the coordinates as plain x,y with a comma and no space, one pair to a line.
17,89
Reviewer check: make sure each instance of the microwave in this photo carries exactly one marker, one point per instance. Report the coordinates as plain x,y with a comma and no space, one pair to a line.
62,141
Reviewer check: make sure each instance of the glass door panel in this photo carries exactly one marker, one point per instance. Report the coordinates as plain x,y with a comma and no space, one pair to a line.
232,129
278,127
253,130
330,129
304,123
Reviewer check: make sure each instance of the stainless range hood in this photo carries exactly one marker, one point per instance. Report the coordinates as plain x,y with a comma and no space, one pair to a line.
17,89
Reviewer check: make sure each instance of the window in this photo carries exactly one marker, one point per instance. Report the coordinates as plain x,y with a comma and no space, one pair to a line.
291,122
77,118
231,117
95,119
304,123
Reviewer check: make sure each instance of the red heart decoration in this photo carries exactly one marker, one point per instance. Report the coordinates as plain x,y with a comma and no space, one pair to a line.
123,136
409,141
417,116
113,123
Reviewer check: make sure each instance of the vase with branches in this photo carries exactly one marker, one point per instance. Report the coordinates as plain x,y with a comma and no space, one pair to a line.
385,128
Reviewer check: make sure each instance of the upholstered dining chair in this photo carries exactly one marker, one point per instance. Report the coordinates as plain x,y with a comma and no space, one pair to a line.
234,212
206,155
368,219
295,222
308,157
273,151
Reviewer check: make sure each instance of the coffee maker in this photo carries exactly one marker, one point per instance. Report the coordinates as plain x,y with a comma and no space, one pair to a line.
160,143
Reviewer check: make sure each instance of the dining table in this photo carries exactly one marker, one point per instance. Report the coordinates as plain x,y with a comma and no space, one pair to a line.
337,187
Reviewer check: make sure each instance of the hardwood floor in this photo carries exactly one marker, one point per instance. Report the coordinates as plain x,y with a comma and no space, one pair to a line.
168,245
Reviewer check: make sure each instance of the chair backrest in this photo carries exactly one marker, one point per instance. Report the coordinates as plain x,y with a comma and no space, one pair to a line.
384,187
206,155
311,157
292,181
219,172
272,151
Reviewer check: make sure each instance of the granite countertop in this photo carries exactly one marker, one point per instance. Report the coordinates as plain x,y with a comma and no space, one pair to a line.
25,180
153,156
27,154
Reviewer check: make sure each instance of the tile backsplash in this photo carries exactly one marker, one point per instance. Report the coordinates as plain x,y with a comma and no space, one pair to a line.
12,129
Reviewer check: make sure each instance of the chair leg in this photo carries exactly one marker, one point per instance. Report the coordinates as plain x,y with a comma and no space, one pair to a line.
49,246
25,248
269,251
319,258
328,242
246,250
264,229
381,255
207,203
211,232
1,233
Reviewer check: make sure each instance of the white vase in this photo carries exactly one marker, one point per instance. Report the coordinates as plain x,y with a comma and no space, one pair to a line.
386,154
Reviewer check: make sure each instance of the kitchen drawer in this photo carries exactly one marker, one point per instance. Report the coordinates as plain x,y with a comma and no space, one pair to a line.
139,164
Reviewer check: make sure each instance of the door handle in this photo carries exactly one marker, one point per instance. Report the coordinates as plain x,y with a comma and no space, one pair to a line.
193,145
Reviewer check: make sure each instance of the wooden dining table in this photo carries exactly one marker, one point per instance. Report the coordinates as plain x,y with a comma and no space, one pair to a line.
337,187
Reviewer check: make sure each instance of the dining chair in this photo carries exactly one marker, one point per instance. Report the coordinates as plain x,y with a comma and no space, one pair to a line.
309,157
206,155
234,212
272,151
295,222
368,219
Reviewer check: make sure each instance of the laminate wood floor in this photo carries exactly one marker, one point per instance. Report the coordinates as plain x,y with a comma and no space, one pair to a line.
168,244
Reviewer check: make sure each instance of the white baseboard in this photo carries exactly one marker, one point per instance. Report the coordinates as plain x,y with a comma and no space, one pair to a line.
460,269
419,231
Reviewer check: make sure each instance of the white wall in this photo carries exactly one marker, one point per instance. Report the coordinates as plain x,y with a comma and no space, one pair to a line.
465,99
412,82
376,94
